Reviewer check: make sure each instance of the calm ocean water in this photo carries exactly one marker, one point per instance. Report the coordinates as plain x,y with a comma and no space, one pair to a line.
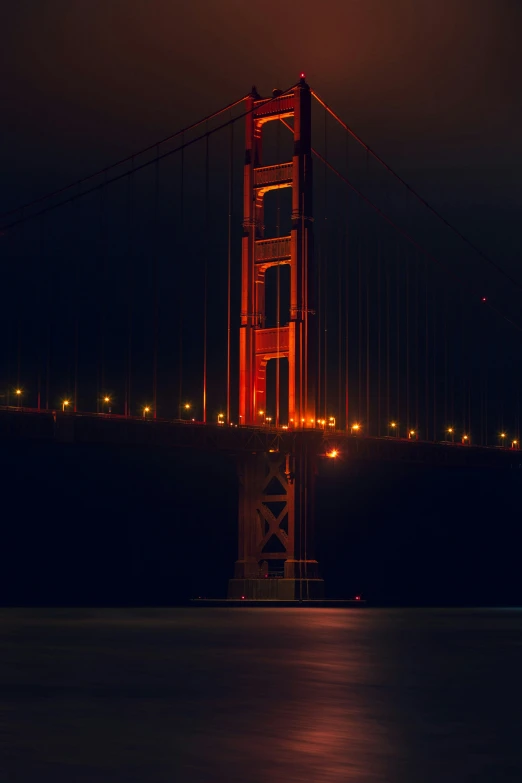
261,696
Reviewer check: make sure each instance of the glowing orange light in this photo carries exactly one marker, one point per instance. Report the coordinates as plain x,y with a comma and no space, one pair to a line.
356,427
146,409
187,406
18,391
412,432
333,453
464,437
261,413
106,399
502,434
393,424
450,429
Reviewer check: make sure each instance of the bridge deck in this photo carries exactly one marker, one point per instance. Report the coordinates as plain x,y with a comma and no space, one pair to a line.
29,424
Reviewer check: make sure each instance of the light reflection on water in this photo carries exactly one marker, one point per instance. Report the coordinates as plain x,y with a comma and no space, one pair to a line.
261,695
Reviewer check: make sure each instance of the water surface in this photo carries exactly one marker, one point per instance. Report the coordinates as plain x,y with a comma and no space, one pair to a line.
261,696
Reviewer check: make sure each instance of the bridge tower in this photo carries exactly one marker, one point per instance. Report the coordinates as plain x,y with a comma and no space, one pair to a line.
295,340
276,485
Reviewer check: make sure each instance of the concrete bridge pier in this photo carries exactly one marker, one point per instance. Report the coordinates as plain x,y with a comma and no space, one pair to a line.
276,531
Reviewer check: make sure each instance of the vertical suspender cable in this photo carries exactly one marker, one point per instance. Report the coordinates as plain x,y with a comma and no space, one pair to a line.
130,288
19,292
434,349
50,311
367,254
76,335
325,286
155,289
347,328
205,279
359,308
181,266
407,327
340,332
446,314
347,303
229,258
278,293
398,316
39,381
379,327
388,343
101,318
417,332
426,350
75,397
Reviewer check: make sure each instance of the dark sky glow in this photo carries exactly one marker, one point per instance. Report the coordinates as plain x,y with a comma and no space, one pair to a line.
431,85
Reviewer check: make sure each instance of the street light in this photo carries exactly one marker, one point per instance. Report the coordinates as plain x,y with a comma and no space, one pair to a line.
502,438
331,422
263,415
221,418
394,428
146,410
106,400
332,454
355,428
411,434
269,419
465,440
451,432
65,403
514,444
18,393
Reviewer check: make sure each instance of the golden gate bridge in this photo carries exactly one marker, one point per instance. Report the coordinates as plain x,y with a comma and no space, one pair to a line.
278,293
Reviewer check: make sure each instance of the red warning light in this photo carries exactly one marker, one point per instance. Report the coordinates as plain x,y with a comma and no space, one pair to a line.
302,75
357,597
242,597
484,299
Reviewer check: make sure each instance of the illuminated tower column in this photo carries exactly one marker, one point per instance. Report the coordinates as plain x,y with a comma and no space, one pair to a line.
293,341
276,485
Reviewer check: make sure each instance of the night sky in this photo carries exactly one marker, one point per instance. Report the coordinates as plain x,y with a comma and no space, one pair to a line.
432,86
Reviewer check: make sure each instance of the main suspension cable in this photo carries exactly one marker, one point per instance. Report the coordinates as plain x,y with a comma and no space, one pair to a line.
142,166
419,198
129,158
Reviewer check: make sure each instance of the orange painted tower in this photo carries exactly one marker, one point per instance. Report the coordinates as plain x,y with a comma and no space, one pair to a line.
276,484
294,340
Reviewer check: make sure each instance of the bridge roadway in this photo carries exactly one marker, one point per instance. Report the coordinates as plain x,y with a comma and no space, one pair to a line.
69,427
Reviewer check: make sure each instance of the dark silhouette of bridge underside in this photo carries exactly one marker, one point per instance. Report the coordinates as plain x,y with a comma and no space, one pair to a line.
92,428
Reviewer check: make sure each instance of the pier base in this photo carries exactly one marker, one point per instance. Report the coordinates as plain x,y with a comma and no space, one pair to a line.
276,589
276,526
